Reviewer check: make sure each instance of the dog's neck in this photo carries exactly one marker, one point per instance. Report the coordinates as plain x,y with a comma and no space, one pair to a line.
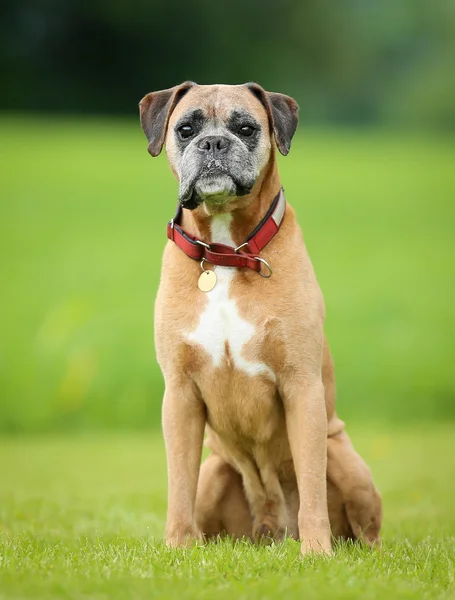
242,220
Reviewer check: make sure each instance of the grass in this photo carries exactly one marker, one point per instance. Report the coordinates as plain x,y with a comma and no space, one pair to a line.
82,228
83,517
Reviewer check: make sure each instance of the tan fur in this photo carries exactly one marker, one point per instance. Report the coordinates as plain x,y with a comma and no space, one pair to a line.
280,460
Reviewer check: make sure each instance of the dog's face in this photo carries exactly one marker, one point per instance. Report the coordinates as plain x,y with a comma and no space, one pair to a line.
219,138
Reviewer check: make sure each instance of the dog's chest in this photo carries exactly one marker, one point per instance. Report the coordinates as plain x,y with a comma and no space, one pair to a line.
222,331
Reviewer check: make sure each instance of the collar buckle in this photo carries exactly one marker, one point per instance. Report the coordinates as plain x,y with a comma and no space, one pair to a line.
241,246
264,262
201,243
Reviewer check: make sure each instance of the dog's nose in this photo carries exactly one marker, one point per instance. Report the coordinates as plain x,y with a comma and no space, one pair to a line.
214,144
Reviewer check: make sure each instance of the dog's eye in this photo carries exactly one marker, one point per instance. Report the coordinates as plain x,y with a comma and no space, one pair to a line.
246,130
185,131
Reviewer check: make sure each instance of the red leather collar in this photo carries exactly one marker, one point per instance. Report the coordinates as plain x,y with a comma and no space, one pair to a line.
245,255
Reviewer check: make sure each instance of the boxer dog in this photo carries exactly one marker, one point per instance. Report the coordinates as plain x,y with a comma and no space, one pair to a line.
239,327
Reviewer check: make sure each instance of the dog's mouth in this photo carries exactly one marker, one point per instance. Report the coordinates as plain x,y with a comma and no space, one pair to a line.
214,186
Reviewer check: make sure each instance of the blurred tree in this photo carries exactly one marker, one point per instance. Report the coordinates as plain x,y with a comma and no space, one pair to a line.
357,61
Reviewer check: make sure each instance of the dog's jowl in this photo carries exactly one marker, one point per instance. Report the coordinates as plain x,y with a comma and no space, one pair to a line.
239,325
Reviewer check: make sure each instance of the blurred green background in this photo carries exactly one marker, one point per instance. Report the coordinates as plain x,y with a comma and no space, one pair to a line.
84,208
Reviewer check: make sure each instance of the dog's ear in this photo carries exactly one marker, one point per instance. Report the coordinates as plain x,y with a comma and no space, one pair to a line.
155,109
283,113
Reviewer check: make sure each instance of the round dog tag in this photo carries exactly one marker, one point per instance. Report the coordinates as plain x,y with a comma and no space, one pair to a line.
206,281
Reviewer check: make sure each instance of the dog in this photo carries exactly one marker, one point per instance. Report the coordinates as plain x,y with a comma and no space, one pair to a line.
239,333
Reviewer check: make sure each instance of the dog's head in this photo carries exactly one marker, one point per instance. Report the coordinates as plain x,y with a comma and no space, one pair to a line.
219,138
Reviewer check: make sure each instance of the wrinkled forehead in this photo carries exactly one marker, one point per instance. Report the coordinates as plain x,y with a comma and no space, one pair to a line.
220,102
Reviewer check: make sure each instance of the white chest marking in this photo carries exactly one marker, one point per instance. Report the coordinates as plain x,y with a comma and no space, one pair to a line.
221,322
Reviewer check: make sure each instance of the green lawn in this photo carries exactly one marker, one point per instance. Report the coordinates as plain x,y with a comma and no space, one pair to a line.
83,210
83,516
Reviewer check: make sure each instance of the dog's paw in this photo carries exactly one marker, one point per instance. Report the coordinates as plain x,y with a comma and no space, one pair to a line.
183,537
364,512
315,537
268,530
316,546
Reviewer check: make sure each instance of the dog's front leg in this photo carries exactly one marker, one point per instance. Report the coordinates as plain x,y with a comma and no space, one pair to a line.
306,423
183,427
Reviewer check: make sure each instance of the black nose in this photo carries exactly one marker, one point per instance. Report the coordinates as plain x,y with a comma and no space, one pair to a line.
214,144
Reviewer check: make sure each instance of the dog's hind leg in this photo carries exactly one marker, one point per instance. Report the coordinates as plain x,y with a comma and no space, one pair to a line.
347,471
351,491
221,505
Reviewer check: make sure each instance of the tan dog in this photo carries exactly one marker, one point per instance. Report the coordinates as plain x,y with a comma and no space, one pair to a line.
248,359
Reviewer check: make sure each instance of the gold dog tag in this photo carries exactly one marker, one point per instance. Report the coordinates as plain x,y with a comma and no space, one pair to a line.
206,281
